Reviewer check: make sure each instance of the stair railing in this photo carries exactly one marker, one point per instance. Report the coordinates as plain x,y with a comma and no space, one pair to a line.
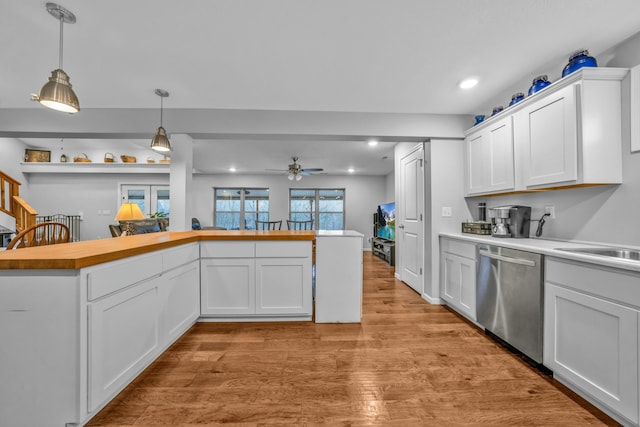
12,204
25,214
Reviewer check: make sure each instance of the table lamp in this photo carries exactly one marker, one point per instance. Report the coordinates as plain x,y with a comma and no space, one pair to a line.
129,212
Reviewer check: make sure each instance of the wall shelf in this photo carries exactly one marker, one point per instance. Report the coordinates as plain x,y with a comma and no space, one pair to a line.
35,167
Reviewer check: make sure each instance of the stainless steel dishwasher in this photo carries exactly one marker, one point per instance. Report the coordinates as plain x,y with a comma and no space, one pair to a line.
509,297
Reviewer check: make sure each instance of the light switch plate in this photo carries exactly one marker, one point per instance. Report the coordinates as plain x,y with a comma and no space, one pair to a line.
446,211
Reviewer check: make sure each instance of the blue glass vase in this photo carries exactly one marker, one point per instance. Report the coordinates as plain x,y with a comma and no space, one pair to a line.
496,110
479,119
517,97
538,84
578,60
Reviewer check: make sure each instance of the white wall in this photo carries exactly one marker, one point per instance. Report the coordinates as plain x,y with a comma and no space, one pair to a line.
362,193
606,214
390,187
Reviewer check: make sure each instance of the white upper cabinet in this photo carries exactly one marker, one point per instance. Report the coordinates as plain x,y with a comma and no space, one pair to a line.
547,132
489,158
568,134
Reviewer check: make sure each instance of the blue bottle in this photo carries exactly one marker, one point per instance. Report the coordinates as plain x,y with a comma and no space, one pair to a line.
539,83
578,60
517,97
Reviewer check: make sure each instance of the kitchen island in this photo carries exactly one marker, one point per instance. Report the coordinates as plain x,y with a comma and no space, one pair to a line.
79,321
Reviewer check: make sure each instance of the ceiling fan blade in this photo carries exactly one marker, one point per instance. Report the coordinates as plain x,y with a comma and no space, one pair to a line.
277,170
312,170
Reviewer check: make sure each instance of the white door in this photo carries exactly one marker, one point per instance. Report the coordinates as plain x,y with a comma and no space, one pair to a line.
411,211
150,198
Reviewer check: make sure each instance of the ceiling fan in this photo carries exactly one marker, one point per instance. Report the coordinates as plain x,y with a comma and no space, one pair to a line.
296,171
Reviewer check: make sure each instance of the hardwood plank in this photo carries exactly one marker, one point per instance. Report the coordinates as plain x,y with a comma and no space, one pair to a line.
408,363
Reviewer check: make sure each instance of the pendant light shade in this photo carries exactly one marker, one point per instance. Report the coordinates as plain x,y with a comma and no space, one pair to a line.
58,93
160,142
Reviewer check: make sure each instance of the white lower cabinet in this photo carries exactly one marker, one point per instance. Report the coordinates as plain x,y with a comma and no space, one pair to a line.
458,276
182,300
254,279
591,341
283,286
228,286
124,337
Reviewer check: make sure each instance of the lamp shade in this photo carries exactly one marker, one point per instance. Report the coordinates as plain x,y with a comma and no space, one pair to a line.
160,142
58,94
128,212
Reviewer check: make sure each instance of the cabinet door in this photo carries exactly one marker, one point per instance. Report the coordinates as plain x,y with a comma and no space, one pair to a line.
593,344
547,130
459,283
490,158
283,286
478,161
182,304
228,286
124,336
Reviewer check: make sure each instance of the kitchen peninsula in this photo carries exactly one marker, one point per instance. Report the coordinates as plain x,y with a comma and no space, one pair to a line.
79,321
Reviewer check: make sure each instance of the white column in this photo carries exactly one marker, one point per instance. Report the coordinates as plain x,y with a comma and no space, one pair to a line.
180,182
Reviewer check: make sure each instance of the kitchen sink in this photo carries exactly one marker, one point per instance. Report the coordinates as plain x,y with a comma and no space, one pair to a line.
620,253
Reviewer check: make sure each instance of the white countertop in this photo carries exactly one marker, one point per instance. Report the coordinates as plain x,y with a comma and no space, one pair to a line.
550,248
338,233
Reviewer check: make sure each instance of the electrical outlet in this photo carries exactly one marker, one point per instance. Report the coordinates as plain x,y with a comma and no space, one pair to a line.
551,210
446,211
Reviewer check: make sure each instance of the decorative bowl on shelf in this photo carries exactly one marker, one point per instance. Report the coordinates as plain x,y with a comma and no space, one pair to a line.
539,83
128,159
496,110
577,60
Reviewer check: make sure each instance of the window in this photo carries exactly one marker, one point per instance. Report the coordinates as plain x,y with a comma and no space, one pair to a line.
152,199
233,204
324,206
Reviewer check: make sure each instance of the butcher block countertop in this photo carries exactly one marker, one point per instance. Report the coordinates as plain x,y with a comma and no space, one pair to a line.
71,256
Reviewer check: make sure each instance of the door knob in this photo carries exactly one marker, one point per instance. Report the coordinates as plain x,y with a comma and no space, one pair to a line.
401,226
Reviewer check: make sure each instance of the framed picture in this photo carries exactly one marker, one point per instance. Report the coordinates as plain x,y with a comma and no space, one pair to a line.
37,155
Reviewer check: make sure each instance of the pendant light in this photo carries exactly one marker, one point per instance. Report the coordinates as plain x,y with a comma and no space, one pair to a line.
160,142
57,92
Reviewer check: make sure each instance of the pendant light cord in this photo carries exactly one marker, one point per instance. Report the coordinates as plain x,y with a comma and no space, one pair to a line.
61,45
161,108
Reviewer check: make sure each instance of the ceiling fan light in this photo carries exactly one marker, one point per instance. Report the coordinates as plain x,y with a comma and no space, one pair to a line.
290,177
58,94
160,142
298,177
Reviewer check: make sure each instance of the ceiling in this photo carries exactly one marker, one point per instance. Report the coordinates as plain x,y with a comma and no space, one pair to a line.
403,56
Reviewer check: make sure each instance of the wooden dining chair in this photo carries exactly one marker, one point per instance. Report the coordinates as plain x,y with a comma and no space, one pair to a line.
269,225
300,225
45,233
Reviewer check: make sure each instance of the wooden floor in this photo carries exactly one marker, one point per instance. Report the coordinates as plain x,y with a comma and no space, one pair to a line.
408,364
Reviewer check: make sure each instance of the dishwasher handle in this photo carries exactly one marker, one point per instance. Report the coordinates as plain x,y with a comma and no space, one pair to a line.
520,261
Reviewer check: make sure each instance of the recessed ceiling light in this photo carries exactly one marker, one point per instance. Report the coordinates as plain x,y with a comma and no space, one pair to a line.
232,169
372,143
468,83
351,170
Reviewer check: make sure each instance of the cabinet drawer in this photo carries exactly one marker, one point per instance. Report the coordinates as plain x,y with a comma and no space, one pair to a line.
227,250
610,283
463,249
113,276
283,249
173,258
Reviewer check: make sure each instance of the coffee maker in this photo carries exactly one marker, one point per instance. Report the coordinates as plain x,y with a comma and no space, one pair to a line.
510,221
